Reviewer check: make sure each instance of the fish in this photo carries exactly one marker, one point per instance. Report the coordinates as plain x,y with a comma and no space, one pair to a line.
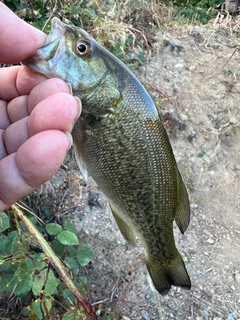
120,140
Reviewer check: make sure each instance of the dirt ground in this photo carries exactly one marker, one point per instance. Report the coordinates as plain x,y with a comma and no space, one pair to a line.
201,84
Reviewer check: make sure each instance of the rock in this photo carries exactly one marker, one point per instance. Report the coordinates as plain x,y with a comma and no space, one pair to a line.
153,310
237,277
232,316
206,159
145,315
80,216
87,209
148,296
179,66
210,241
98,312
183,116
193,205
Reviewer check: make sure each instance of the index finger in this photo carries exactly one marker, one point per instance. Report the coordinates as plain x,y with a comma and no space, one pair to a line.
19,40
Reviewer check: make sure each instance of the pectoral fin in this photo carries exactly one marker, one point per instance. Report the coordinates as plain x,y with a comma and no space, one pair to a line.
182,216
80,162
125,230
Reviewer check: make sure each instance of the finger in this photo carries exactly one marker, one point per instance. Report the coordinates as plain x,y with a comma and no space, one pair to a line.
17,108
59,111
12,50
4,119
21,106
3,152
17,80
15,135
46,89
35,162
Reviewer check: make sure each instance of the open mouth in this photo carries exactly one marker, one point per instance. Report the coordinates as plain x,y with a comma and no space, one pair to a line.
50,48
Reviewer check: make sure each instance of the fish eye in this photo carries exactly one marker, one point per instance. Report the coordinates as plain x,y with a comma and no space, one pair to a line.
83,48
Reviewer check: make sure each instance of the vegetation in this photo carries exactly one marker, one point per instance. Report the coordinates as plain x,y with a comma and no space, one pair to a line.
126,28
26,271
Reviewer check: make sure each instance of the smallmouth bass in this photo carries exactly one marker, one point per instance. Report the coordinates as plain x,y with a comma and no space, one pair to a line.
120,140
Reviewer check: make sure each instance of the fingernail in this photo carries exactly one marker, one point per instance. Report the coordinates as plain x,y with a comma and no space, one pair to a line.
70,139
80,107
70,88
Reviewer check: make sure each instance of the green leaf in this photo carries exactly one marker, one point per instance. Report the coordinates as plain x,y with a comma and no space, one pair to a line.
68,297
72,251
4,265
70,227
67,237
9,241
106,318
69,316
83,280
53,228
39,306
16,247
24,282
2,244
33,264
84,255
83,290
7,282
4,222
51,283
72,263
58,247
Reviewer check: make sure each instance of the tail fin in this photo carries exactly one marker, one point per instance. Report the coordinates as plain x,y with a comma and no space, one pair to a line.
166,274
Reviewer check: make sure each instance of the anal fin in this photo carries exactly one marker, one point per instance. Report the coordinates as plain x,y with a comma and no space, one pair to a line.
182,216
125,230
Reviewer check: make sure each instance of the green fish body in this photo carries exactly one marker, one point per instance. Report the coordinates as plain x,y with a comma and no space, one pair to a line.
120,140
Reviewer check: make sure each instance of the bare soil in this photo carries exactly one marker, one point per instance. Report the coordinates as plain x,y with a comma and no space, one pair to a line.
197,90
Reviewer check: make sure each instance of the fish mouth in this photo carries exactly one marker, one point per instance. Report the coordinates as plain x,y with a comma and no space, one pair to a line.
40,62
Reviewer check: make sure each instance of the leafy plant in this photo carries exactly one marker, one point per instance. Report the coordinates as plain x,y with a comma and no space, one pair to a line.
105,20
195,11
26,271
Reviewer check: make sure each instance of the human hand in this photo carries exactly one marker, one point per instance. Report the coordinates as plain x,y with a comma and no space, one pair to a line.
36,115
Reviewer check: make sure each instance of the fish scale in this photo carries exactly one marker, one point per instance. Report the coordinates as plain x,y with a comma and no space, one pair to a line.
120,141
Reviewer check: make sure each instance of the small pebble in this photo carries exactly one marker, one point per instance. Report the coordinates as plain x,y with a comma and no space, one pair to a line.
237,277
193,205
145,315
98,312
179,66
87,209
80,216
206,159
210,241
232,316
153,310
183,117
148,296
206,314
